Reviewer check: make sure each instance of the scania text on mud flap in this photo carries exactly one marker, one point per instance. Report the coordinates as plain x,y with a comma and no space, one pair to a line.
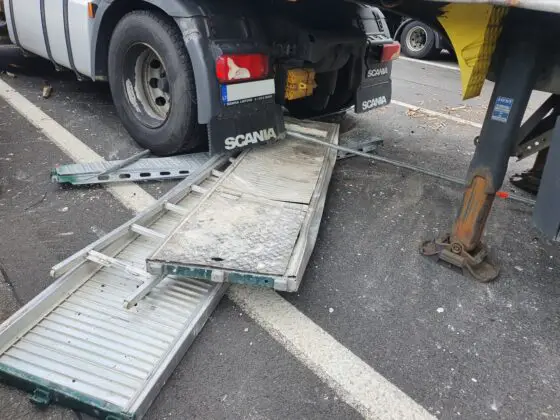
255,137
374,103
183,72
375,89
382,71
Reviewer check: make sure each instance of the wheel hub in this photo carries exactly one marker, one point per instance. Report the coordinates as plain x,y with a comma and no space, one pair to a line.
416,39
147,85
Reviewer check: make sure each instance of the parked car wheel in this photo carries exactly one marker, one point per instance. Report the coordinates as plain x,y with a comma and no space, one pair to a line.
418,40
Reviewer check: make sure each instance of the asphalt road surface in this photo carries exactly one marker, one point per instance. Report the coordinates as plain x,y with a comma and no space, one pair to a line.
455,347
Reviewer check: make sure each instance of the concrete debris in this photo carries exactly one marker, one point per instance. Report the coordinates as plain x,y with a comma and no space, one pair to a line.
47,91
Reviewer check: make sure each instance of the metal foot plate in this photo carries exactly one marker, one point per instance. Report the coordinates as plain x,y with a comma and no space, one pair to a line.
475,263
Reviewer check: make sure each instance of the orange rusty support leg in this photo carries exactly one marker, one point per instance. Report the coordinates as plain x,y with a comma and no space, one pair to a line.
469,225
516,72
463,248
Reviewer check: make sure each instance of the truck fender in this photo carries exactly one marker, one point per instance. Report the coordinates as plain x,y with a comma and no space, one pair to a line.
195,22
178,8
438,40
203,62
109,12
400,28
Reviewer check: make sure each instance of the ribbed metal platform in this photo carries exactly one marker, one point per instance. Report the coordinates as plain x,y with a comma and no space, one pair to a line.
78,345
106,335
259,224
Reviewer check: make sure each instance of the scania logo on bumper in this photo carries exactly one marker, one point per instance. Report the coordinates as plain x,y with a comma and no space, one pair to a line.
254,137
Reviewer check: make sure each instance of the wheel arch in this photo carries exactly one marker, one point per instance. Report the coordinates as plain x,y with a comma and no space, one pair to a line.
108,15
195,19
438,39
400,28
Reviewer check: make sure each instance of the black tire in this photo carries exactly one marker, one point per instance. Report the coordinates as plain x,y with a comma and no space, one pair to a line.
418,41
166,124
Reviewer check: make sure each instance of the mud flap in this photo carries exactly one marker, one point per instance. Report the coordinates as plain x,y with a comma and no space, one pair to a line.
369,97
246,125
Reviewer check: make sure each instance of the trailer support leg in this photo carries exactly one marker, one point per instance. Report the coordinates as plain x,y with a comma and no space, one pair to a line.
498,137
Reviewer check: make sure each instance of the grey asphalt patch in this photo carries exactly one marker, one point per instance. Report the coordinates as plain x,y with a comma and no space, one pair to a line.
42,222
459,348
431,142
8,299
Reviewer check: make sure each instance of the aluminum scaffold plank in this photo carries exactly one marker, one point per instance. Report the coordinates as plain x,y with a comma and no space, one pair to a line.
258,224
106,334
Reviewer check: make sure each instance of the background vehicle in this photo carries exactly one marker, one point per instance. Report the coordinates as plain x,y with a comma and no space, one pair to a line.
182,71
417,39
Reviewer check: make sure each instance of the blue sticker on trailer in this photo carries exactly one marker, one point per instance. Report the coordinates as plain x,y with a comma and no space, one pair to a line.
502,108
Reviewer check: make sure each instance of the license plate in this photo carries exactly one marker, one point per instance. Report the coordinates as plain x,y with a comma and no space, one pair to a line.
241,93
372,96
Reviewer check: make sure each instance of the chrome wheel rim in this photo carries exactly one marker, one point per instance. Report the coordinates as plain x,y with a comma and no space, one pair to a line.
416,39
147,85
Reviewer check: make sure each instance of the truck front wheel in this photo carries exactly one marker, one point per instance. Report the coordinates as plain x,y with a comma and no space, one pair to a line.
152,83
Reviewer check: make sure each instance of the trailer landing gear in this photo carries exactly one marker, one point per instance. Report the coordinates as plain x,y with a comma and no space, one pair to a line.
515,80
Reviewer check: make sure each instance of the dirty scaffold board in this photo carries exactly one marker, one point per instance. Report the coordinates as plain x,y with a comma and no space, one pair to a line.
258,225
79,344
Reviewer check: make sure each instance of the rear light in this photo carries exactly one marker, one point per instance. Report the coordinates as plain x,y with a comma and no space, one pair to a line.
391,52
234,67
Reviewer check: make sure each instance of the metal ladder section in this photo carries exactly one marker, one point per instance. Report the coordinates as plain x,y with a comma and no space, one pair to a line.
142,170
97,339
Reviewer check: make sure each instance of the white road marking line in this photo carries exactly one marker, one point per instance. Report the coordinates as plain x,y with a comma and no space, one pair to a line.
131,195
436,114
429,63
355,381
